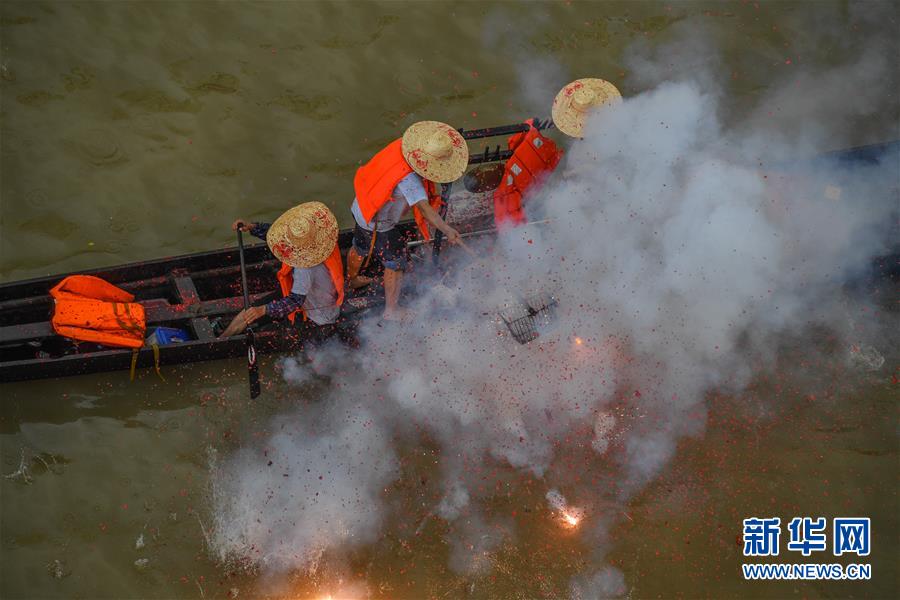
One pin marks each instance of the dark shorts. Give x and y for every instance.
(314, 335)
(309, 334)
(390, 247)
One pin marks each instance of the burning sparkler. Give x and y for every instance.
(337, 596)
(342, 590)
(571, 516)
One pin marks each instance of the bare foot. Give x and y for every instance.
(398, 314)
(360, 281)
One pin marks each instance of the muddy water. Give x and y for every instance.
(134, 130)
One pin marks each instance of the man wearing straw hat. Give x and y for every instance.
(311, 277)
(402, 175)
(535, 156)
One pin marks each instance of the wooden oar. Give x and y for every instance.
(252, 366)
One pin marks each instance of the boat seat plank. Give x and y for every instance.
(135, 287)
(186, 290)
(158, 312)
(26, 332)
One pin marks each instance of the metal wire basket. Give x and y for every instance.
(525, 319)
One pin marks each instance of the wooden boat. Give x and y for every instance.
(199, 292)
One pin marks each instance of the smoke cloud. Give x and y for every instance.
(680, 251)
(313, 486)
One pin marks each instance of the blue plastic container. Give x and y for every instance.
(166, 335)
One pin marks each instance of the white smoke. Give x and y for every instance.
(506, 34)
(312, 487)
(679, 254)
(608, 582)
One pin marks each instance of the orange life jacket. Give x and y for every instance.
(89, 309)
(335, 269)
(534, 157)
(375, 181)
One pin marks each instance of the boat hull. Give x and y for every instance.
(197, 293)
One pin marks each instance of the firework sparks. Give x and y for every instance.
(570, 516)
(341, 590)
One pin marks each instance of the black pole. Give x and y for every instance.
(474, 134)
(252, 366)
(244, 286)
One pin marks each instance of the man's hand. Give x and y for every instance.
(437, 222)
(242, 225)
(452, 235)
(243, 320)
(455, 238)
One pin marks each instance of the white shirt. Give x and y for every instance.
(409, 191)
(321, 296)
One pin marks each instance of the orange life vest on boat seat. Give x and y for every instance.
(534, 157)
(375, 181)
(335, 269)
(89, 309)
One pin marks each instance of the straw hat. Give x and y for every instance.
(304, 236)
(435, 150)
(575, 102)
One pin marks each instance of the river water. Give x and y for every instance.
(132, 130)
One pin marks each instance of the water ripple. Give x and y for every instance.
(98, 147)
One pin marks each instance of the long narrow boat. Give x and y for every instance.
(199, 292)
(195, 293)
